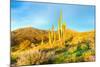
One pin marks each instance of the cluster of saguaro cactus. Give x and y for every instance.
(61, 32)
(59, 36)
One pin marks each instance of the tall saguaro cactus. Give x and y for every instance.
(64, 31)
(59, 24)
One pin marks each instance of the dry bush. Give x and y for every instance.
(31, 57)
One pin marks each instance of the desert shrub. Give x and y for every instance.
(31, 57)
(65, 57)
(72, 49)
(60, 50)
(71, 58)
(84, 46)
(59, 58)
(24, 44)
(88, 56)
(13, 58)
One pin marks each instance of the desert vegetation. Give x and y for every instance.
(30, 46)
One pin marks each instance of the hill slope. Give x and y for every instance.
(31, 34)
(44, 47)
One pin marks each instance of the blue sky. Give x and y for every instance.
(43, 15)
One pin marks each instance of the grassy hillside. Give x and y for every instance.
(32, 46)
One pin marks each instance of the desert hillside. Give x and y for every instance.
(72, 47)
(31, 34)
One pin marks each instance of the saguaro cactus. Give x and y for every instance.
(64, 31)
(49, 37)
(59, 25)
